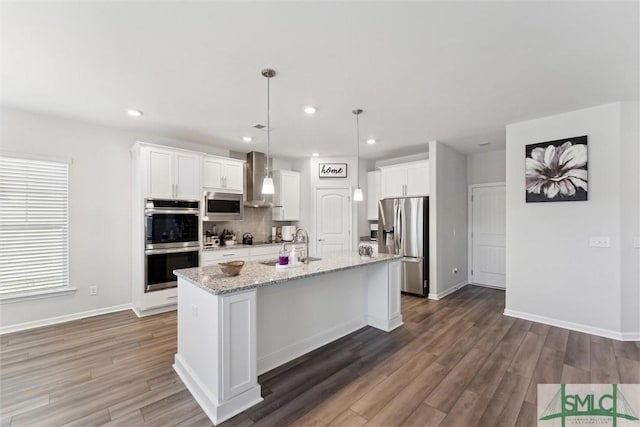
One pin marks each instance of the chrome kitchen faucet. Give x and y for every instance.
(306, 241)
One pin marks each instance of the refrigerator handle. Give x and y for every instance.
(398, 228)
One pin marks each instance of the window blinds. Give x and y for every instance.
(34, 225)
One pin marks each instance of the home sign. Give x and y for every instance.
(332, 170)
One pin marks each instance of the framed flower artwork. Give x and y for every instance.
(556, 171)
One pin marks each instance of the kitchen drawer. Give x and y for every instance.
(159, 298)
(213, 257)
(261, 253)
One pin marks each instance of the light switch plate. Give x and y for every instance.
(599, 242)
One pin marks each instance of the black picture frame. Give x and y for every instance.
(332, 170)
(557, 171)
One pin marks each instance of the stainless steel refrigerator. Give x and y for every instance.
(403, 228)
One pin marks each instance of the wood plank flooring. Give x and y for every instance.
(455, 362)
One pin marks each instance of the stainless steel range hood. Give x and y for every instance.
(254, 198)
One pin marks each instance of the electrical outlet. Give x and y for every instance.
(93, 290)
(599, 242)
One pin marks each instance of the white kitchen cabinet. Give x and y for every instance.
(264, 253)
(417, 179)
(286, 199)
(374, 180)
(222, 174)
(405, 180)
(171, 174)
(221, 255)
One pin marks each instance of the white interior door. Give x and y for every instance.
(488, 236)
(333, 219)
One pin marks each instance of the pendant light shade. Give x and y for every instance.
(267, 182)
(357, 194)
(267, 186)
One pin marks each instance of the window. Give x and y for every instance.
(34, 226)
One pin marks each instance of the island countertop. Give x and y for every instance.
(255, 274)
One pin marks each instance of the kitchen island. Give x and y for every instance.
(231, 329)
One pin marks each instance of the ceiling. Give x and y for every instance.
(455, 72)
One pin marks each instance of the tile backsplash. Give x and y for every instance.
(257, 221)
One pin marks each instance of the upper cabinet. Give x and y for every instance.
(374, 187)
(223, 174)
(171, 174)
(405, 180)
(286, 199)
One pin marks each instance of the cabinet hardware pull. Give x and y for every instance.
(228, 254)
(172, 297)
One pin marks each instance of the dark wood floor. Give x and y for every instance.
(456, 362)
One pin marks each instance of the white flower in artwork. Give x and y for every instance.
(557, 170)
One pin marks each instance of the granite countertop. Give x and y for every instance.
(254, 274)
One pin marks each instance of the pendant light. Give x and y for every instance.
(267, 182)
(357, 194)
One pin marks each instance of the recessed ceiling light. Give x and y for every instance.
(134, 113)
(315, 154)
(247, 139)
(310, 110)
(484, 144)
(371, 141)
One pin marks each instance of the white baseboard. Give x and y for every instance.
(630, 336)
(607, 333)
(216, 410)
(61, 319)
(439, 295)
(290, 352)
(156, 310)
(499, 288)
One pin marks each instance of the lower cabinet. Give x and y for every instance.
(257, 253)
(215, 256)
(264, 253)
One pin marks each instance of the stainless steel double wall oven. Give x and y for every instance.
(172, 229)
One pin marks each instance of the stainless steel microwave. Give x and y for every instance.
(222, 206)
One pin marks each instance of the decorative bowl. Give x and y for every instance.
(231, 268)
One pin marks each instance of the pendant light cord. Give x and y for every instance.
(268, 122)
(358, 146)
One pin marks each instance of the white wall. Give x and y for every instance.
(99, 208)
(363, 222)
(552, 273)
(630, 217)
(448, 227)
(486, 167)
(310, 180)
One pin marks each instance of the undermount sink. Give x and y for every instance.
(273, 263)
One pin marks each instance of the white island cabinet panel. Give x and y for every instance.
(231, 329)
(238, 343)
(216, 342)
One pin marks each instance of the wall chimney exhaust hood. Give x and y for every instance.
(255, 175)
